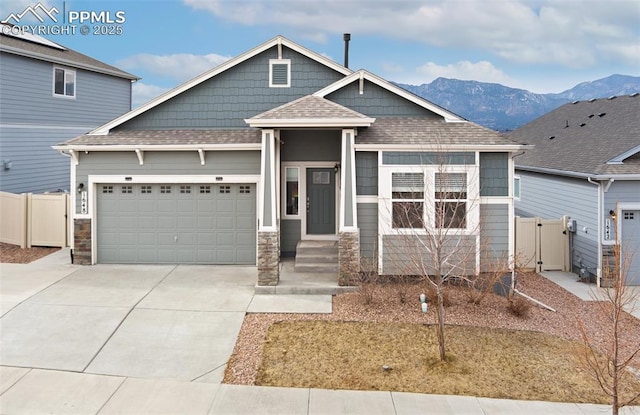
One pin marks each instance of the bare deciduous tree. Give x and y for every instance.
(609, 365)
(435, 215)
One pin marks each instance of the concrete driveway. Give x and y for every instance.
(168, 322)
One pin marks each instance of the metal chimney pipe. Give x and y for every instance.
(347, 38)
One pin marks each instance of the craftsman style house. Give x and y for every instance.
(279, 146)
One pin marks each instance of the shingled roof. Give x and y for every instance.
(168, 138)
(427, 131)
(599, 137)
(62, 56)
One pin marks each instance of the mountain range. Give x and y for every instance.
(502, 108)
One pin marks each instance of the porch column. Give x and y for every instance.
(349, 234)
(268, 234)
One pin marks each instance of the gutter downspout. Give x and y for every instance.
(512, 225)
(600, 208)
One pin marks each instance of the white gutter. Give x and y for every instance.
(600, 208)
(545, 170)
(152, 147)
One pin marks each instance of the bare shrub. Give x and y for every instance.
(519, 307)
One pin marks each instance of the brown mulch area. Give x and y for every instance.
(385, 306)
(13, 254)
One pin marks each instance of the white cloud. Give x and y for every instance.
(482, 71)
(179, 67)
(142, 93)
(569, 33)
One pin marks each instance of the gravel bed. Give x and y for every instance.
(491, 312)
(13, 254)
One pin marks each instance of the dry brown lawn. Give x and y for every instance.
(494, 350)
(494, 363)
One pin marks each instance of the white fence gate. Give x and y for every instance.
(542, 244)
(35, 219)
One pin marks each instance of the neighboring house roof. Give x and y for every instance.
(276, 41)
(30, 47)
(310, 111)
(428, 132)
(599, 137)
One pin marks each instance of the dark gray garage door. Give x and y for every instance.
(176, 223)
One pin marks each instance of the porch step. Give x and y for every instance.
(317, 256)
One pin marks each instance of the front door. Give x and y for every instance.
(321, 201)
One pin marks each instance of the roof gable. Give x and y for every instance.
(362, 75)
(279, 42)
(310, 111)
(592, 137)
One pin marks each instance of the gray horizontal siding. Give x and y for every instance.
(368, 225)
(290, 234)
(402, 253)
(494, 174)
(494, 237)
(428, 158)
(27, 95)
(312, 145)
(621, 192)
(367, 173)
(377, 102)
(238, 93)
(36, 167)
(551, 197)
(167, 163)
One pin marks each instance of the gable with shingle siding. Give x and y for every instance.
(240, 92)
(376, 101)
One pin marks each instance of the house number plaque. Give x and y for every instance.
(83, 202)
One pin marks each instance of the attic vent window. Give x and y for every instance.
(279, 73)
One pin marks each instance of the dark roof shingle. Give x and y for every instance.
(169, 137)
(427, 131)
(581, 137)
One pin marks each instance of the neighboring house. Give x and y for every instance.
(586, 164)
(49, 93)
(276, 146)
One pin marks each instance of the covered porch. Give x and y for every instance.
(307, 187)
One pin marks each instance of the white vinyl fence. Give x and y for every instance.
(34, 219)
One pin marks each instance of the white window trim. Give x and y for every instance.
(516, 178)
(283, 202)
(279, 61)
(75, 83)
(385, 205)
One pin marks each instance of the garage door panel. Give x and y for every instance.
(146, 238)
(630, 243)
(183, 223)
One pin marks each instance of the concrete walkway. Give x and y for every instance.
(116, 339)
(591, 292)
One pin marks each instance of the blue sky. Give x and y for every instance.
(539, 45)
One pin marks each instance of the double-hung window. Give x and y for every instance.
(450, 199)
(407, 198)
(64, 83)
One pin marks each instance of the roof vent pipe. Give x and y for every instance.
(347, 38)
